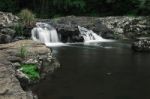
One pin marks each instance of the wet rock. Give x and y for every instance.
(141, 44)
(67, 27)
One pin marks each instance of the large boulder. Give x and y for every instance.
(6, 35)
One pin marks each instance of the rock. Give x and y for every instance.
(7, 34)
(127, 27)
(12, 79)
(117, 27)
(30, 46)
(8, 31)
(4, 38)
(7, 19)
(16, 65)
(141, 44)
(9, 85)
(17, 38)
(7, 23)
(30, 61)
(67, 27)
(23, 78)
(14, 59)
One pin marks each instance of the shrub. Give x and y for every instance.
(27, 17)
(31, 71)
(19, 29)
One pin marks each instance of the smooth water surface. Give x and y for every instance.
(98, 71)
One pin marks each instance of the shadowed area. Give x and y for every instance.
(98, 71)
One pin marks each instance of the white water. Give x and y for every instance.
(90, 36)
(46, 34)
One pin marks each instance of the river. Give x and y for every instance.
(109, 70)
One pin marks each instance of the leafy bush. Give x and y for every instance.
(27, 17)
(31, 71)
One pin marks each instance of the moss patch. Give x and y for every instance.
(31, 71)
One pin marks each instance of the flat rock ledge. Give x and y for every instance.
(9, 85)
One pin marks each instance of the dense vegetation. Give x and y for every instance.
(31, 71)
(53, 8)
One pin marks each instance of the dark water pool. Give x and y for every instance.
(98, 71)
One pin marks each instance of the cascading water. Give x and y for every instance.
(45, 33)
(90, 36)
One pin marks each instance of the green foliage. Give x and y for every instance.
(52, 8)
(80, 4)
(8, 5)
(19, 29)
(23, 52)
(31, 71)
(27, 17)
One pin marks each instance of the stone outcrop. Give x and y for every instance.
(9, 86)
(7, 23)
(141, 44)
(119, 27)
(7, 19)
(10, 60)
(128, 27)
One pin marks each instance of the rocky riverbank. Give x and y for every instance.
(115, 27)
(10, 58)
(15, 56)
(7, 23)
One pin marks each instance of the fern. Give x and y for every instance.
(31, 71)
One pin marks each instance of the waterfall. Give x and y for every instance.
(89, 35)
(45, 33)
